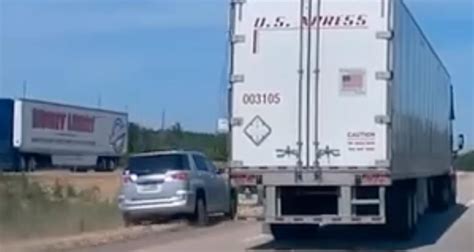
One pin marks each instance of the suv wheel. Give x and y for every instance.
(232, 208)
(201, 217)
(130, 222)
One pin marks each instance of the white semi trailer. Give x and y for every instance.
(36, 134)
(342, 111)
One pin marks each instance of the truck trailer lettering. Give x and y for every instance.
(81, 123)
(52, 120)
(325, 21)
(43, 119)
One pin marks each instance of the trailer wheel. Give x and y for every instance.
(22, 164)
(442, 193)
(401, 211)
(111, 165)
(27, 164)
(32, 164)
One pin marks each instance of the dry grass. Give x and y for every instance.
(33, 209)
(107, 183)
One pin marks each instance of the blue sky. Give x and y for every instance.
(150, 55)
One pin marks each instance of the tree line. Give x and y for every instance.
(142, 139)
(465, 161)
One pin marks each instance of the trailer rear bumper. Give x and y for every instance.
(326, 220)
(323, 204)
(326, 176)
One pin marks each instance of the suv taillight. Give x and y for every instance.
(180, 176)
(129, 178)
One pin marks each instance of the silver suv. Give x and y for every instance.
(174, 183)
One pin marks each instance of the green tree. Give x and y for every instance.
(143, 139)
(465, 162)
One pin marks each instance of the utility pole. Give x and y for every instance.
(163, 120)
(99, 101)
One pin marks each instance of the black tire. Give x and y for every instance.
(401, 211)
(111, 165)
(442, 193)
(31, 164)
(22, 164)
(201, 217)
(130, 222)
(232, 208)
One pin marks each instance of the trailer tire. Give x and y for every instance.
(27, 164)
(401, 211)
(111, 165)
(32, 164)
(22, 164)
(442, 193)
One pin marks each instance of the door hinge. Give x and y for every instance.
(387, 35)
(236, 121)
(384, 75)
(382, 119)
(238, 4)
(237, 78)
(238, 38)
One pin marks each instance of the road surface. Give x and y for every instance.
(450, 231)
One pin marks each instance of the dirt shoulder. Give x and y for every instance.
(89, 239)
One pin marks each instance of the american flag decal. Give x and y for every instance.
(352, 82)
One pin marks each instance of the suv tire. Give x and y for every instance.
(130, 222)
(232, 207)
(201, 218)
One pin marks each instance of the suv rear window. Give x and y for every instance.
(157, 164)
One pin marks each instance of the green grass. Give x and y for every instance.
(28, 209)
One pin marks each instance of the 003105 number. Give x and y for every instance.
(261, 99)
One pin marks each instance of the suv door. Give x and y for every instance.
(210, 186)
(222, 189)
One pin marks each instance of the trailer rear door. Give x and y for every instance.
(266, 98)
(281, 107)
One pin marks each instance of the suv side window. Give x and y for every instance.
(212, 168)
(200, 163)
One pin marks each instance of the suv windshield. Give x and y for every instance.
(157, 164)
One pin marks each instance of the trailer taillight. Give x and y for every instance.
(373, 179)
(245, 179)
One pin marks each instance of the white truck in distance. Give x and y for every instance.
(342, 111)
(36, 134)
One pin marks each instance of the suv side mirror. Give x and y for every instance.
(460, 142)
